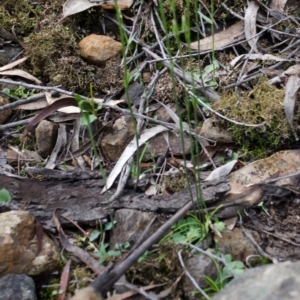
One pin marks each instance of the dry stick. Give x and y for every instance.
(191, 277)
(180, 74)
(254, 76)
(289, 55)
(161, 45)
(126, 169)
(41, 88)
(140, 291)
(258, 248)
(172, 126)
(104, 283)
(131, 36)
(15, 124)
(204, 89)
(22, 101)
(245, 64)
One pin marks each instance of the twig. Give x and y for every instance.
(259, 249)
(191, 277)
(22, 101)
(15, 124)
(126, 169)
(42, 88)
(220, 115)
(220, 259)
(104, 282)
(139, 290)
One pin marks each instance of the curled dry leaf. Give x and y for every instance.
(250, 24)
(221, 171)
(72, 7)
(21, 73)
(231, 35)
(246, 184)
(129, 151)
(68, 110)
(292, 86)
(255, 56)
(278, 5)
(13, 64)
(48, 111)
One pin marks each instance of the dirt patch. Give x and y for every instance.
(280, 230)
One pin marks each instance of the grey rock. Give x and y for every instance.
(46, 134)
(17, 286)
(130, 225)
(19, 246)
(134, 93)
(198, 266)
(272, 282)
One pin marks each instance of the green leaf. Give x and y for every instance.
(86, 106)
(95, 234)
(220, 226)
(207, 19)
(4, 196)
(86, 119)
(238, 272)
(192, 235)
(228, 257)
(114, 253)
(143, 256)
(109, 225)
(178, 238)
(78, 98)
(212, 67)
(6, 91)
(126, 245)
(102, 249)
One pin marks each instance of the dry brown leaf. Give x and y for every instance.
(278, 5)
(22, 74)
(245, 183)
(250, 24)
(291, 88)
(64, 280)
(231, 35)
(256, 56)
(72, 7)
(13, 64)
(129, 151)
(68, 109)
(221, 171)
(293, 70)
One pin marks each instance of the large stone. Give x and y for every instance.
(4, 114)
(130, 225)
(198, 266)
(17, 286)
(272, 282)
(99, 48)
(237, 244)
(46, 135)
(211, 131)
(14, 157)
(158, 145)
(19, 246)
(114, 143)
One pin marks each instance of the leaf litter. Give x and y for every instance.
(238, 85)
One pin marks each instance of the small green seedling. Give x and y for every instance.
(105, 254)
(261, 205)
(4, 196)
(96, 234)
